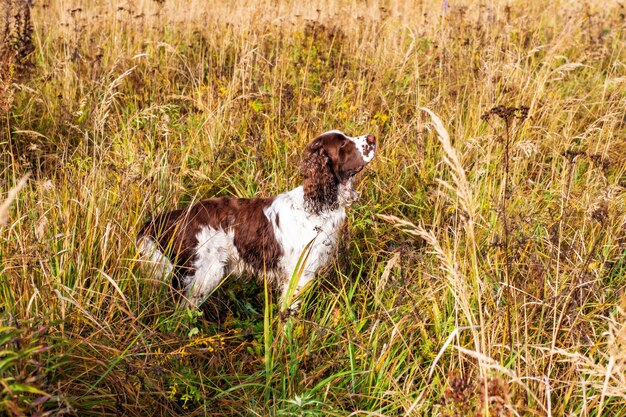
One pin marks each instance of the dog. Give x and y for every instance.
(214, 238)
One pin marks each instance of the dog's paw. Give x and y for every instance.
(290, 312)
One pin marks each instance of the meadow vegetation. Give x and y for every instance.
(482, 272)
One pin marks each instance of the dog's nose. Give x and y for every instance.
(371, 139)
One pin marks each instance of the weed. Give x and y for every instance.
(508, 115)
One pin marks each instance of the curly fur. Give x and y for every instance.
(320, 183)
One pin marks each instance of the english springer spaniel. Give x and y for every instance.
(208, 241)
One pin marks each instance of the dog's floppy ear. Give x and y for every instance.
(319, 167)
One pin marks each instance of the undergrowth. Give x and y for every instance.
(480, 274)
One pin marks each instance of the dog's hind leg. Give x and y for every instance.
(152, 260)
(215, 248)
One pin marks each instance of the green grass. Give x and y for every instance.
(465, 285)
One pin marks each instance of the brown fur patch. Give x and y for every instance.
(176, 231)
(329, 160)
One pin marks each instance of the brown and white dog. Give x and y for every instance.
(208, 241)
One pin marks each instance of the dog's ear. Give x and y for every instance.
(318, 168)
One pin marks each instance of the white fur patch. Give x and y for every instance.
(215, 254)
(296, 227)
(153, 260)
(367, 150)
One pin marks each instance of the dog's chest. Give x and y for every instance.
(299, 232)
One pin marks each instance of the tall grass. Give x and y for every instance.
(481, 272)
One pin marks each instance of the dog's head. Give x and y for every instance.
(330, 163)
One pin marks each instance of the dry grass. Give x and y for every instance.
(485, 263)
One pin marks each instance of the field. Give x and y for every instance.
(482, 272)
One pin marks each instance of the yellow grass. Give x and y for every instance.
(481, 272)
